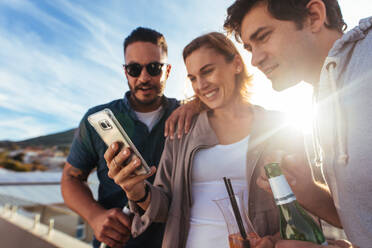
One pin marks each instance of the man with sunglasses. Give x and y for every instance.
(142, 113)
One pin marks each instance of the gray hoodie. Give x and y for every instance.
(342, 130)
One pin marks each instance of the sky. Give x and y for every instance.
(59, 58)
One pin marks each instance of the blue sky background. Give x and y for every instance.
(58, 58)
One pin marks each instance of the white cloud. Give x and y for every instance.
(19, 128)
(46, 81)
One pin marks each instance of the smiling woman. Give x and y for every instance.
(217, 72)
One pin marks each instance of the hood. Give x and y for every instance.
(327, 95)
(345, 43)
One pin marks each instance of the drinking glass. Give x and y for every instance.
(235, 238)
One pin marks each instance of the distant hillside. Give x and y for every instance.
(56, 139)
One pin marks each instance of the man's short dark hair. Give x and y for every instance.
(146, 35)
(288, 10)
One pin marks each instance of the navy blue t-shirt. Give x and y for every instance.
(88, 148)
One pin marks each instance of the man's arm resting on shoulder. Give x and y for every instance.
(181, 118)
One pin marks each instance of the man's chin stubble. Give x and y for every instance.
(144, 102)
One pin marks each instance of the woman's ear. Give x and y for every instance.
(238, 64)
(317, 15)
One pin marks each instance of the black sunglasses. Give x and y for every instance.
(153, 69)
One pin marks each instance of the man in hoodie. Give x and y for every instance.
(297, 40)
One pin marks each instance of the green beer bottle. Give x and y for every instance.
(295, 223)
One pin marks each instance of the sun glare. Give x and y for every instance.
(298, 106)
(295, 102)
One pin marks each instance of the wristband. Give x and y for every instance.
(147, 190)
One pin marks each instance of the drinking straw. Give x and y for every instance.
(235, 207)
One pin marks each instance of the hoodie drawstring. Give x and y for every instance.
(339, 120)
(315, 134)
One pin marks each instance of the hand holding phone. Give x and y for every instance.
(110, 130)
(133, 185)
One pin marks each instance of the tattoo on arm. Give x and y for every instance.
(76, 173)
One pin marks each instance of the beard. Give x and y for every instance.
(158, 88)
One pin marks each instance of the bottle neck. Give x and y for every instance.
(282, 192)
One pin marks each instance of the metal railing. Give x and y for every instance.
(17, 230)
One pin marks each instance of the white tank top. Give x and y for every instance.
(207, 225)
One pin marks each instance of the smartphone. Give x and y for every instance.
(110, 131)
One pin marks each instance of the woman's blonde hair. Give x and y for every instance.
(224, 46)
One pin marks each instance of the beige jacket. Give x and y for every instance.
(171, 193)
